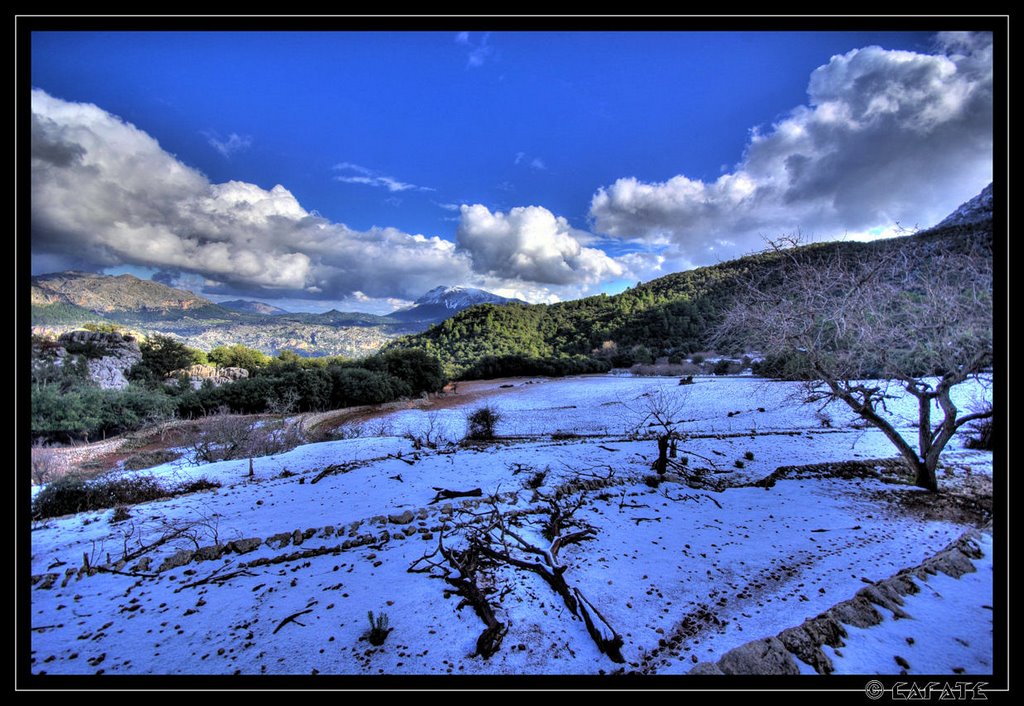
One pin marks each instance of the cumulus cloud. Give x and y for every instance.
(531, 243)
(357, 174)
(887, 137)
(105, 193)
(234, 143)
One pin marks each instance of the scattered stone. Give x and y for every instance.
(45, 581)
(402, 519)
(280, 540)
(177, 559)
(209, 553)
(244, 546)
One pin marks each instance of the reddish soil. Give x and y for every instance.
(94, 459)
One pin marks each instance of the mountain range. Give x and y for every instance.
(66, 300)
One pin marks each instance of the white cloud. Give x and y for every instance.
(533, 162)
(369, 177)
(532, 244)
(886, 137)
(105, 194)
(235, 143)
(477, 53)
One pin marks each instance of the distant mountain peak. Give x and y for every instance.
(442, 302)
(253, 307)
(459, 297)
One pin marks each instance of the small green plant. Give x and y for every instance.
(379, 629)
(749, 455)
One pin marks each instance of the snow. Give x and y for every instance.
(458, 298)
(949, 630)
(662, 560)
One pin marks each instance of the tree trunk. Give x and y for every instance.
(661, 465)
(924, 476)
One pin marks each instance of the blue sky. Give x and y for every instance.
(358, 170)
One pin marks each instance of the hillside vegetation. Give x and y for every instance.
(671, 316)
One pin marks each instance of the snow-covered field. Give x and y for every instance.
(681, 574)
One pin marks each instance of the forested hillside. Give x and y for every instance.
(670, 316)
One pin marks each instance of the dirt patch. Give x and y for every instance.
(969, 502)
(468, 393)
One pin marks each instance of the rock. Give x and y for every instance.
(857, 611)
(199, 373)
(706, 668)
(45, 581)
(142, 565)
(886, 596)
(427, 535)
(309, 532)
(422, 514)
(244, 546)
(805, 641)
(328, 531)
(177, 559)
(446, 509)
(209, 553)
(409, 531)
(768, 656)
(904, 584)
(109, 356)
(956, 560)
(279, 540)
(403, 519)
(298, 538)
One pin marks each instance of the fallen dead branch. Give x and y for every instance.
(467, 564)
(216, 579)
(443, 494)
(292, 619)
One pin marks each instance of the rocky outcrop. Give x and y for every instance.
(108, 356)
(198, 374)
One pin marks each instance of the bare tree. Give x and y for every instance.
(912, 314)
(661, 411)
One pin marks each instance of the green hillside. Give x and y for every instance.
(672, 315)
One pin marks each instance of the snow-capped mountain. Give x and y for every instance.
(461, 297)
(442, 302)
(976, 210)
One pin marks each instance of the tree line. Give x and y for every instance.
(68, 406)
